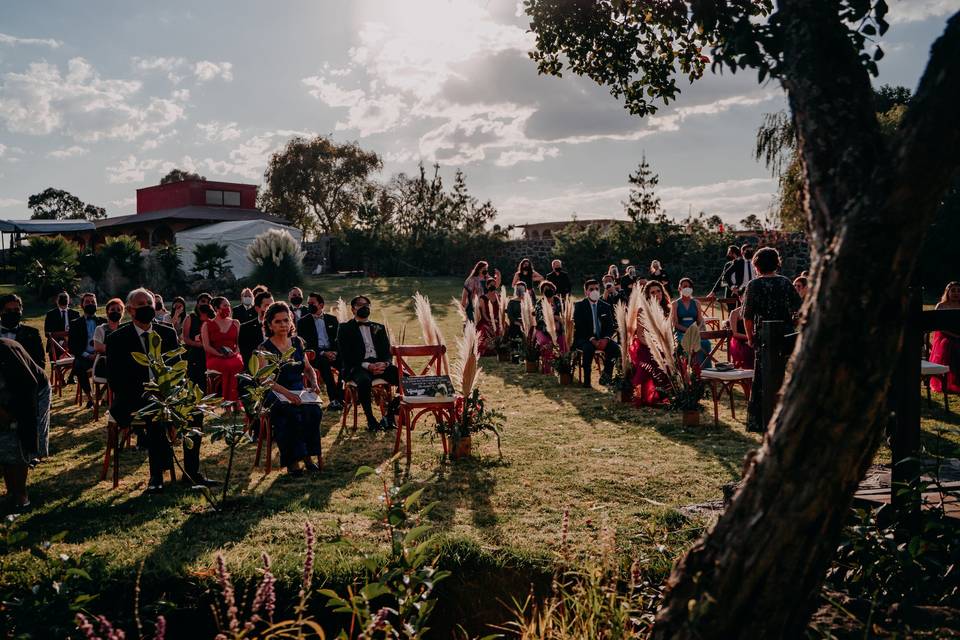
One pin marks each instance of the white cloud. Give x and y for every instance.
(205, 70)
(249, 159)
(14, 41)
(9, 202)
(528, 179)
(124, 203)
(216, 131)
(917, 10)
(130, 169)
(68, 152)
(156, 141)
(177, 68)
(81, 104)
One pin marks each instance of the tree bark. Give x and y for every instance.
(757, 573)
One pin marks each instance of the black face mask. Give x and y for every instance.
(363, 312)
(491, 289)
(205, 309)
(145, 315)
(114, 316)
(10, 319)
(312, 308)
(62, 301)
(296, 301)
(90, 309)
(549, 292)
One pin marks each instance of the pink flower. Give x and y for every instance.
(229, 600)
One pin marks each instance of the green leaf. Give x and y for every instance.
(140, 358)
(253, 365)
(364, 471)
(375, 590)
(412, 499)
(415, 534)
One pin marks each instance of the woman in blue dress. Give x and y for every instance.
(296, 424)
(684, 312)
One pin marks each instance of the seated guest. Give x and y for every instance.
(365, 352)
(475, 287)
(488, 319)
(800, 283)
(219, 338)
(81, 343)
(611, 292)
(56, 324)
(24, 420)
(11, 327)
(162, 315)
(515, 329)
(560, 279)
(945, 345)
(178, 314)
(657, 273)
(548, 303)
(741, 353)
(127, 378)
(114, 316)
(251, 331)
(296, 303)
(528, 276)
(593, 330)
(319, 332)
(646, 374)
(686, 312)
(296, 425)
(614, 272)
(244, 311)
(196, 356)
(769, 296)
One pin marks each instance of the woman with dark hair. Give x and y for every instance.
(646, 374)
(549, 303)
(684, 313)
(190, 334)
(114, 309)
(528, 276)
(945, 345)
(769, 296)
(488, 319)
(295, 423)
(178, 313)
(475, 286)
(219, 338)
(741, 353)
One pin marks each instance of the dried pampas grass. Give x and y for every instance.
(549, 319)
(428, 325)
(466, 371)
(342, 311)
(566, 318)
(502, 311)
(460, 310)
(620, 317)
(658, 334)
(528, 316)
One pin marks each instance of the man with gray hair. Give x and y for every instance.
(127, 378)
(559, 278)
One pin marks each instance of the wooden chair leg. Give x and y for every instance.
(107, 454)
(269, 430)
(260, 437)
(116, 460)
(404, 416)
(733, 410)
(716, 403)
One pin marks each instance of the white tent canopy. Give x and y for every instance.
(236, 235)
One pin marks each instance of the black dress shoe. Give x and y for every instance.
(373, 425)
(311, 466)
(200, 480)
(294, 472)
(154, 486)
(387, 424)
(335, 405)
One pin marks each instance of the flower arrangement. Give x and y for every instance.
(528, 321)
(627, 317)
(679, 371)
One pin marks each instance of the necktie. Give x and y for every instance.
(145, 339)
(66, 327)
(596, 320)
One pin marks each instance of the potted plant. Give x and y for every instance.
(504, 346)
(563, 363)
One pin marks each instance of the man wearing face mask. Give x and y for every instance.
(251, 331)
(593, 330)
(81, 343)
(244, 312)
(56, 324)
(319, 331)
(11, 327)
(560, 279)
(296, 303)
(365, 350)
(127, 378)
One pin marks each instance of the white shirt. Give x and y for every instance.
(370, 351)
(748, 274)
(140, 333)
(6, 332)
(323, 339)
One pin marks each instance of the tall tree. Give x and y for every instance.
(57, 204)
(644, 204)
(180, 175)
(868, 203)
(318, 184)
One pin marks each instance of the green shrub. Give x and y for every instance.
(164, 270)
(277, 259)
(210, 260)
(48, 265)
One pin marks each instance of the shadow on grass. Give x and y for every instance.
(466, 484)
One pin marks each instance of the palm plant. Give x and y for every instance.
(210, 259)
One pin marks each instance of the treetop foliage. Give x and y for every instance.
(57, 204)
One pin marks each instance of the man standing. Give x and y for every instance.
(560, 279)
(319, 330)
(127, 378)
(741, 272)
(11, 327)
(81, 342)
(251, 332)
(296, 303)
(244, 312)
(593, 329)
(56, 324)
(365, 351)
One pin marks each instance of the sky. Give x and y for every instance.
(101, 98)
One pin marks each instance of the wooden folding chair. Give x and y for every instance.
(722, 337)
(61, 362)
(411, 410)
(599, 358)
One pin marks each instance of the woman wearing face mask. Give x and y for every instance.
(114, 309)
(487, 329)
(549, 303)
(196, 357)
(646, 374)
(219, 338)
(475, 286)
(528, 276)
(686, 312)
(178, 314)
(244, 311)
(945, 345)
(162, 315)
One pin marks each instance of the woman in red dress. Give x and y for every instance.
(219, 338)
(945, 345)
(741, 353)
(646, 373)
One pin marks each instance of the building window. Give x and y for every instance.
(223, 198)
(214, 197)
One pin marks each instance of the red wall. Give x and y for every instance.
(191, 193)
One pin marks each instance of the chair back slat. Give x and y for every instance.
(436, 365)
(722, 337)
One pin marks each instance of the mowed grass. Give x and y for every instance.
(565, 449)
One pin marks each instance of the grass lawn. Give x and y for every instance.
(564, 449)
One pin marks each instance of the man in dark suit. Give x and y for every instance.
(80, 341)
(733, 252)
(295, 299)
(740, 272)
(56, 324)
(560, 279)
(251, 332)
(244, 312)
(365, 352)
(593, 330)
(11, 327)
(319, 331)
(127, 378)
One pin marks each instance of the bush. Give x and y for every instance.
(164, 271)
(114, 266)
(210, 260)
(277, 259)
(48, 265)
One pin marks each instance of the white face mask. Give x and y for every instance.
(686, 292)
(594, 295)
(247, 301)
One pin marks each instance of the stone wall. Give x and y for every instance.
(513, 251)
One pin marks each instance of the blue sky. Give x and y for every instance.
(101, 98)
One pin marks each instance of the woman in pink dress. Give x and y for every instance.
(488, 319)
(945, 345)
(549, 303)
(741, 353)
(219, 338)
(646, 374)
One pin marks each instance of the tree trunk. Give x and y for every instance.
(757, 573)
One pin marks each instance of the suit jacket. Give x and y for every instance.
(53, 321)
(351, 348)
(23, 379)
(583, 321)
(249, 338)
(561, 281)
(241, 314)
(78, 339)
(125, 376)
(734, 274)
(307, 329)
(29, 338)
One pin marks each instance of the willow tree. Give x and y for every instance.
(868, 200)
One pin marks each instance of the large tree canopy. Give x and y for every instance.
(868, 201)
(57, 204)
(180, 175)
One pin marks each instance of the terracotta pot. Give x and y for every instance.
(691, 417)
(532, 366)
(462, 448)
(503, 356)
(566, 379)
